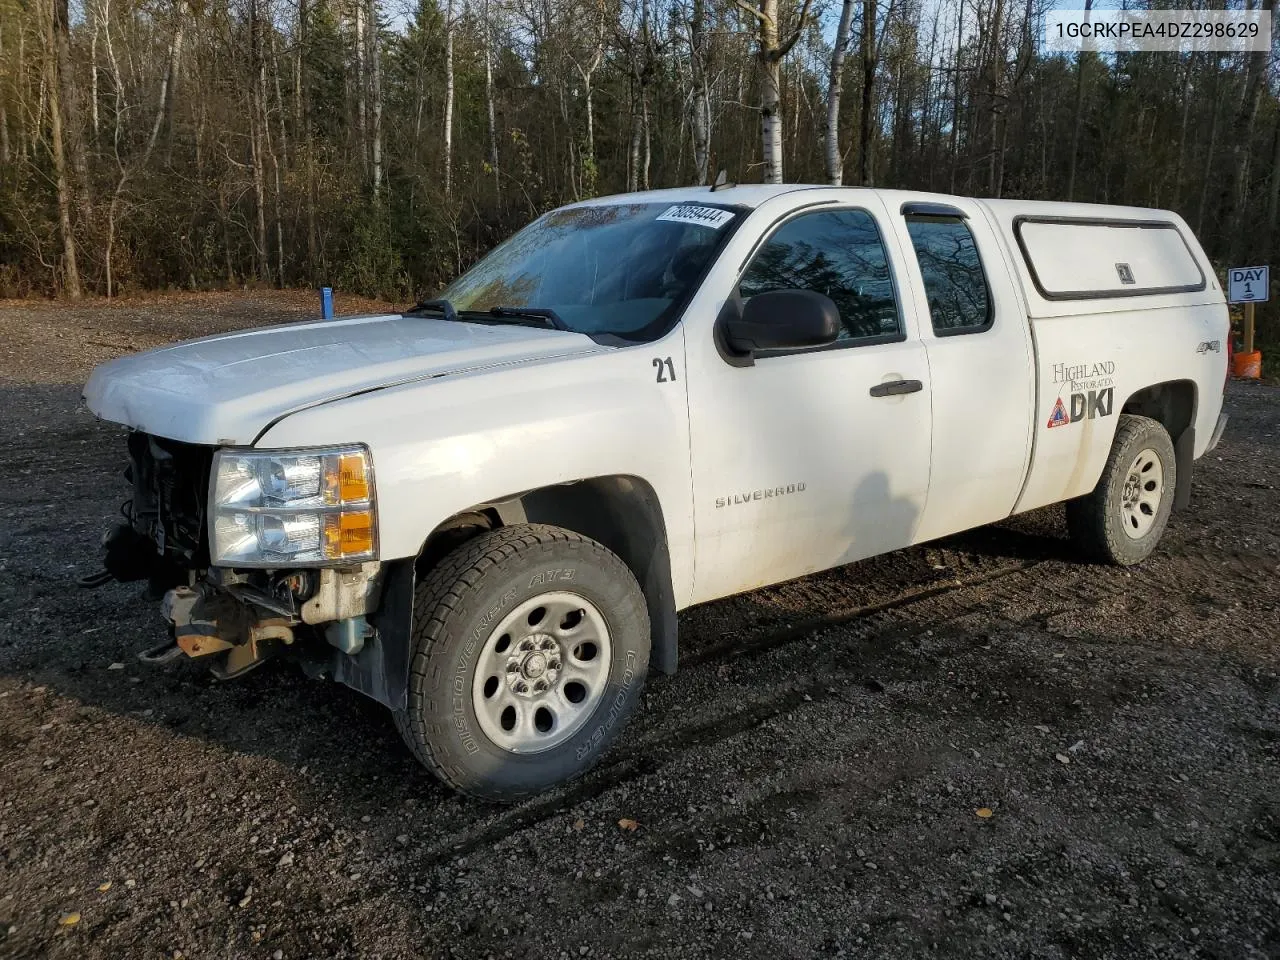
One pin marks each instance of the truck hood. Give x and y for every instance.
(227, 389)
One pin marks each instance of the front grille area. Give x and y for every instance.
(170, 490)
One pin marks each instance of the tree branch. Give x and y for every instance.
(755, 12)
(790, 42)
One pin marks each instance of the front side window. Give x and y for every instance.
(959, 301)
(622, 270)
(838, 253)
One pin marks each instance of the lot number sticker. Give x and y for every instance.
(1248, 284)
(712, 217)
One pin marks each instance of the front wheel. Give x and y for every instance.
(1122, 520)
(530, 647)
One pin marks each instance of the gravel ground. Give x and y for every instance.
(980, 747)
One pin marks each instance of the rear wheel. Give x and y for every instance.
(1122, 520)
(531, 645)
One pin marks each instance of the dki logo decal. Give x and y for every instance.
(1087, 405)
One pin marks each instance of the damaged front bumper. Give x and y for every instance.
(226, 616)
(350, 621)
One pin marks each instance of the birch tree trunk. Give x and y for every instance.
(302, 104)
(488, 102)
(637, 165)
(590, 169)
(701, 121)
(375, 58)
(955, 96)
(835, 164)
(770, 67)
(70, 269)
(648, 152)
(448, 101)
(361, 82)
(770, 51)
(92, 17)
(869, 64)
(995, 68)
(257, 91)
(168, 83)
(633, 155)
(284, 128)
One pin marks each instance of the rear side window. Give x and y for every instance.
(838, 253)
(959, 299)
(1071, 258)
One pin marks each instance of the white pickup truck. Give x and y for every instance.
(486, 511)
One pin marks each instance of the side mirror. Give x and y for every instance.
(779, 320)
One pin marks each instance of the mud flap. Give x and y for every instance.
(380, 670)
(1184, 451)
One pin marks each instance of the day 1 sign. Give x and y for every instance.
(1248, 284)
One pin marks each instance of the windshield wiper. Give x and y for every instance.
(548, 316)
(438, 306)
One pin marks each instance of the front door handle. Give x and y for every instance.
(896, 387)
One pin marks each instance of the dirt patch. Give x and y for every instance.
(57, 341)
(810, 783)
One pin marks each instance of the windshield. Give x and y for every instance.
(624, 270)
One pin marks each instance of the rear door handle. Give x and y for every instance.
(896, 387)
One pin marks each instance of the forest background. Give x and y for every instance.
(379, 149)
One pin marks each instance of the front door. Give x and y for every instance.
(812, 458)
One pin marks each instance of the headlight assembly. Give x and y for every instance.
(271, 508)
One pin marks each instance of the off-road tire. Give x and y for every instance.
(1095, 521)
(457, 605)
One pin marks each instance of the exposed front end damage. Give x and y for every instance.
(233, 620)
(225, 615)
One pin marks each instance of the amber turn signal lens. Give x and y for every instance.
(348, 534)
(353, 478)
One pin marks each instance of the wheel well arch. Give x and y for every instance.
(621, 512)
(1173, 405)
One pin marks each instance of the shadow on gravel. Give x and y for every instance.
(1036, 536)
(348, 740)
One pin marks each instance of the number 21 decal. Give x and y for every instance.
(666, 369)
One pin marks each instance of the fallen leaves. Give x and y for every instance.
(626, 823)
(985, 813)
(69, 919)
(579, 825)
(104, 887)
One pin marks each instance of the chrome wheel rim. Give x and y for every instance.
(1140, 498)
(542, 672)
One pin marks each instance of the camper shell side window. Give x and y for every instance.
(1081, 258)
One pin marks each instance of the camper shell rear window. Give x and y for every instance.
(1077, 258)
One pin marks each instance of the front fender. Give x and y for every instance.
(442, 446)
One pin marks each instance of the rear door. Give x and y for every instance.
(981, 364)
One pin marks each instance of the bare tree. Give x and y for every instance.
(1082, 60)
(770, 51)
(699, 95)
(586, 69)
(448, 100)
(169, 84)
(236, 128)
(375, 131)
(835, 80)
(488, 98)
(53, 67)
